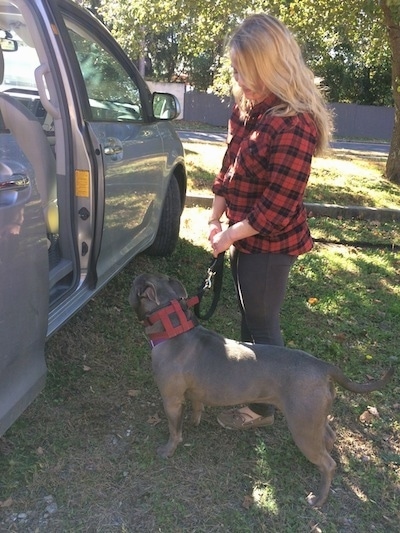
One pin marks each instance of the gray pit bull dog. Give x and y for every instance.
(193, 363)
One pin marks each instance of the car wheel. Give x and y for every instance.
(168, 229)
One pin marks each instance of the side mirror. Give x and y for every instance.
(165, 106)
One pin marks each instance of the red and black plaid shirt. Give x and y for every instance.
(263, 178)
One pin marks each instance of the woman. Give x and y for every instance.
(280, 121)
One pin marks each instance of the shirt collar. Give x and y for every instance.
(270, 101)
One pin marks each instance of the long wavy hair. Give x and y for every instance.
(269, 59)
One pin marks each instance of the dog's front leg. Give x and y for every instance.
(174, 411)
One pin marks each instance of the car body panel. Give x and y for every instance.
(23, 271)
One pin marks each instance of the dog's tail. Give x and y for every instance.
(362, 388)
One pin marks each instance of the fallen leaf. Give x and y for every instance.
(313, 301)
(341, 337)
(373, 411)
(369, 415)
(154, 420)
(248, 501)
(7, 503)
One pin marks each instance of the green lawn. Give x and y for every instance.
(87, 444)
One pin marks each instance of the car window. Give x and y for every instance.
(19, 67)
(112, 93)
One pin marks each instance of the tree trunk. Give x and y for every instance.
(391, 14)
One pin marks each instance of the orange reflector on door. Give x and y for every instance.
(82, 186)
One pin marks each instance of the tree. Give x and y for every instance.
(391, 12)
(369, 27)
(352, 46)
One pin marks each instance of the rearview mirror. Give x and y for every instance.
(7, 43)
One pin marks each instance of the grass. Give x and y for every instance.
(87, 444)
(342, 177)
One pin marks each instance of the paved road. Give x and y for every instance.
(205, 136)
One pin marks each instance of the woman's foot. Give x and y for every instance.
(243, 418)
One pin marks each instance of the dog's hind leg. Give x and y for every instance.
(174, 411)
(330, 437)
(312, 437)
(197, 410)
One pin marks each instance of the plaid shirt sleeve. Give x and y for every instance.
(263, 178)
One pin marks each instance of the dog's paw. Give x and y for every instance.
(314, 501)
(196, 418)
(166, 451)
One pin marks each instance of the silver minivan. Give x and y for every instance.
(91, 174)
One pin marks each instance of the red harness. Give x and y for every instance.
(164, 314)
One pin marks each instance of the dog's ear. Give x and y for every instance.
(142, 288)
(178, 288)
(150, 292)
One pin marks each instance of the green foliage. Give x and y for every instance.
(345, 44)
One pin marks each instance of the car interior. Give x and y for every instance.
(24, 116)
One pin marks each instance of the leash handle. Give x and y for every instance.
(213, 279)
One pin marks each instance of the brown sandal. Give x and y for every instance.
(235, 419)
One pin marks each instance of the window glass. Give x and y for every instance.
(112, 93)
(19, 67)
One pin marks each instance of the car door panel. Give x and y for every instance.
(24, 275)
(132, 151)
(133, 180)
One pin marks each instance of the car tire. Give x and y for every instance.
(168, 229)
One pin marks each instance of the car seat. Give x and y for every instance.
(29, 134)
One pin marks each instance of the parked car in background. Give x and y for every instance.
(91, 174)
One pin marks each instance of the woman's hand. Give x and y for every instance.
(214, 228)
(220, 241)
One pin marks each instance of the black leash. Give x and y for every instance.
(214, 278)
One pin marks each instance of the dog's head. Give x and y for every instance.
(151, 291)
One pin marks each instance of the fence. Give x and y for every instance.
(351, 120)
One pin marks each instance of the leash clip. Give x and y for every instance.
(212, 280)
(209, 278)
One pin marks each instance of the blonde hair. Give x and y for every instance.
(268, 58)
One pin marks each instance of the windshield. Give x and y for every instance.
(19, 68)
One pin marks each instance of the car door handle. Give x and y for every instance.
(16, 182)
(113, 148)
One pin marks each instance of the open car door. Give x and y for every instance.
(24, 284)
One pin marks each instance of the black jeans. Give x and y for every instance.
(261, 281)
